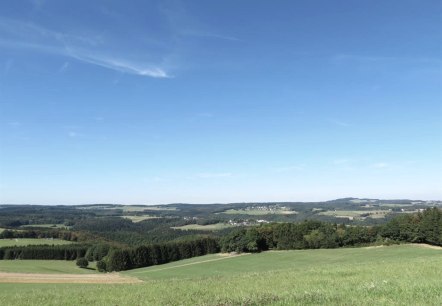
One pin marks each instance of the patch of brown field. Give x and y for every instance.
(374, 247)
(423, 245)
(108, 278)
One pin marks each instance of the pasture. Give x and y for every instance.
(44, 266)
(31, 241)
(350, 214)
(396, 275)
(259, 212)
(139, 218)
(208, 227)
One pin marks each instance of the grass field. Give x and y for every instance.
(396, 275)
(139, 218)
(209, 227)
(258, 212)
(44, 266)
(350, 214)
(31, 241)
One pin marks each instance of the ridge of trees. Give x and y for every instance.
(422, 227)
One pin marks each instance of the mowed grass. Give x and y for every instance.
(208, 227)
(31, 241)
(44, 266)
(396, 275)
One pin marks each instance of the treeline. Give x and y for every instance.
(18, 215)
(425, 227)
(54, 234)
(148, 255)
(152, 231)
(45, 252)
(296, 236)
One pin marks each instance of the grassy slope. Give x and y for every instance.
(398, 275)
(31, 241)
(42, 266)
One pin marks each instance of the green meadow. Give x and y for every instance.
(31, 241)
(43, 266)
(395, 275)
(258, 212)
(208, 227)
(139, 218)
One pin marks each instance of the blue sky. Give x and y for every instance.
(219, 101)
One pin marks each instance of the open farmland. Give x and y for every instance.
(31, 241)
(351, 214)
(43, 266)
(208, 227)
(259, 212)
(140, 218)
(353, 276)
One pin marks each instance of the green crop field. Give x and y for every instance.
(258, 212)
(43, 266)
(355, 213)
(396, 275)
(139, 218)
(209, 227)
(31, 241)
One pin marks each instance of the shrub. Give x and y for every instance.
(101, 266)
(82, 262)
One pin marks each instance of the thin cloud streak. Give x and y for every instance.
(37, 38)
(118, 65)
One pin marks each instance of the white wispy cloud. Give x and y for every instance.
(26, 35)
(184, 24)
(117, 64)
